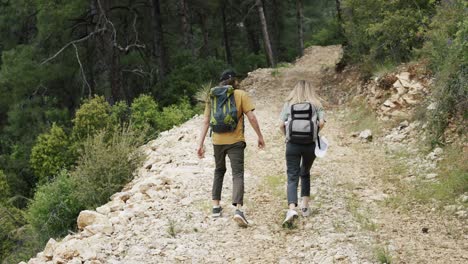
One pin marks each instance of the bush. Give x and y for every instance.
(329, 34)
(174, 115)
(186, 77)
(93, 115)
(51, 153)
(21, 245)
(54, 209)
(446, 48)
(4, 187)
(120, 113)
(144, 112)
(12, 219)
(106, 165)
(378, 31)
(249, 62)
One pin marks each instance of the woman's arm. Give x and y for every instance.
(282, 128)
(321, 117)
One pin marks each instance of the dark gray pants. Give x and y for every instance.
(299, 160)
(235, 152)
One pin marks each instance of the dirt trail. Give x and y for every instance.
(198, 238)
(315, 240)
(163, 215)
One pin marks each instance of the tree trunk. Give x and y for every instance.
(339, 17)
(186, 27)
(159, 50)
(252, 36)
(205, 49)
(110, 53)
(338, 12)
(300, 25)
(276, 22)
(266, 37)
(227, 46)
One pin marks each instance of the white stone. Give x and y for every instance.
(410, 99)
(116, 205)
(124, 196)
(404, 76)
(366, 135)
(450, 208)
(462, 214)
(87, 218)
(105, 209)
(464, 198)
(106, 229)
(75, 261)
(438, 151)
(432, 106)
(50, 248)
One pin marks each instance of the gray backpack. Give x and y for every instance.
(302, 126)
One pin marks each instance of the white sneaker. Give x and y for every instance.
(291, 215)
(305, 211)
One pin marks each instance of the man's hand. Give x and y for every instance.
(201, 152)
(261, 143)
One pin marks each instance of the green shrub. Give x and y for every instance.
(21, 245)
(10, 221)
(186, 78)
(378, 31)
(54, 208)
(446, 48)
(174, 115)
(329, 34)
(106, 164)
(4, 187)
(249, 62)
(51, 153)
(93, 116)
(120, 113)
(383, 255)
(144, 112)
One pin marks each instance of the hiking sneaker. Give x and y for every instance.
(216, 212)
(291, 215)
(240, 218)
(305, 211)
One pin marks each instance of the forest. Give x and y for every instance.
(84, 83)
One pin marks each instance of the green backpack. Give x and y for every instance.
(223, 109)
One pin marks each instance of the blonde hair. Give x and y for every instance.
(304, 92)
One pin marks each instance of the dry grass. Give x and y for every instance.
(360, 214)
(362, 117)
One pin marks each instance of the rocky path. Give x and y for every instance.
(163, 215)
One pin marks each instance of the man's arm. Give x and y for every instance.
(201, 140)
(253, 121)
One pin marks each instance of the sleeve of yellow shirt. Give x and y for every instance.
(247, 104)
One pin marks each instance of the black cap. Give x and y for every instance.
(227, 74)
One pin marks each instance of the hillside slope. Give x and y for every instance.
(163, 215)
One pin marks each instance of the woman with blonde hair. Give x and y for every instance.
(301, 119)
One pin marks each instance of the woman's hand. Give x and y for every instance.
(321, 124)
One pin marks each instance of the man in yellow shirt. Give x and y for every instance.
(233, 145)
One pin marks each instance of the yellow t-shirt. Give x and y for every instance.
(244, 105)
